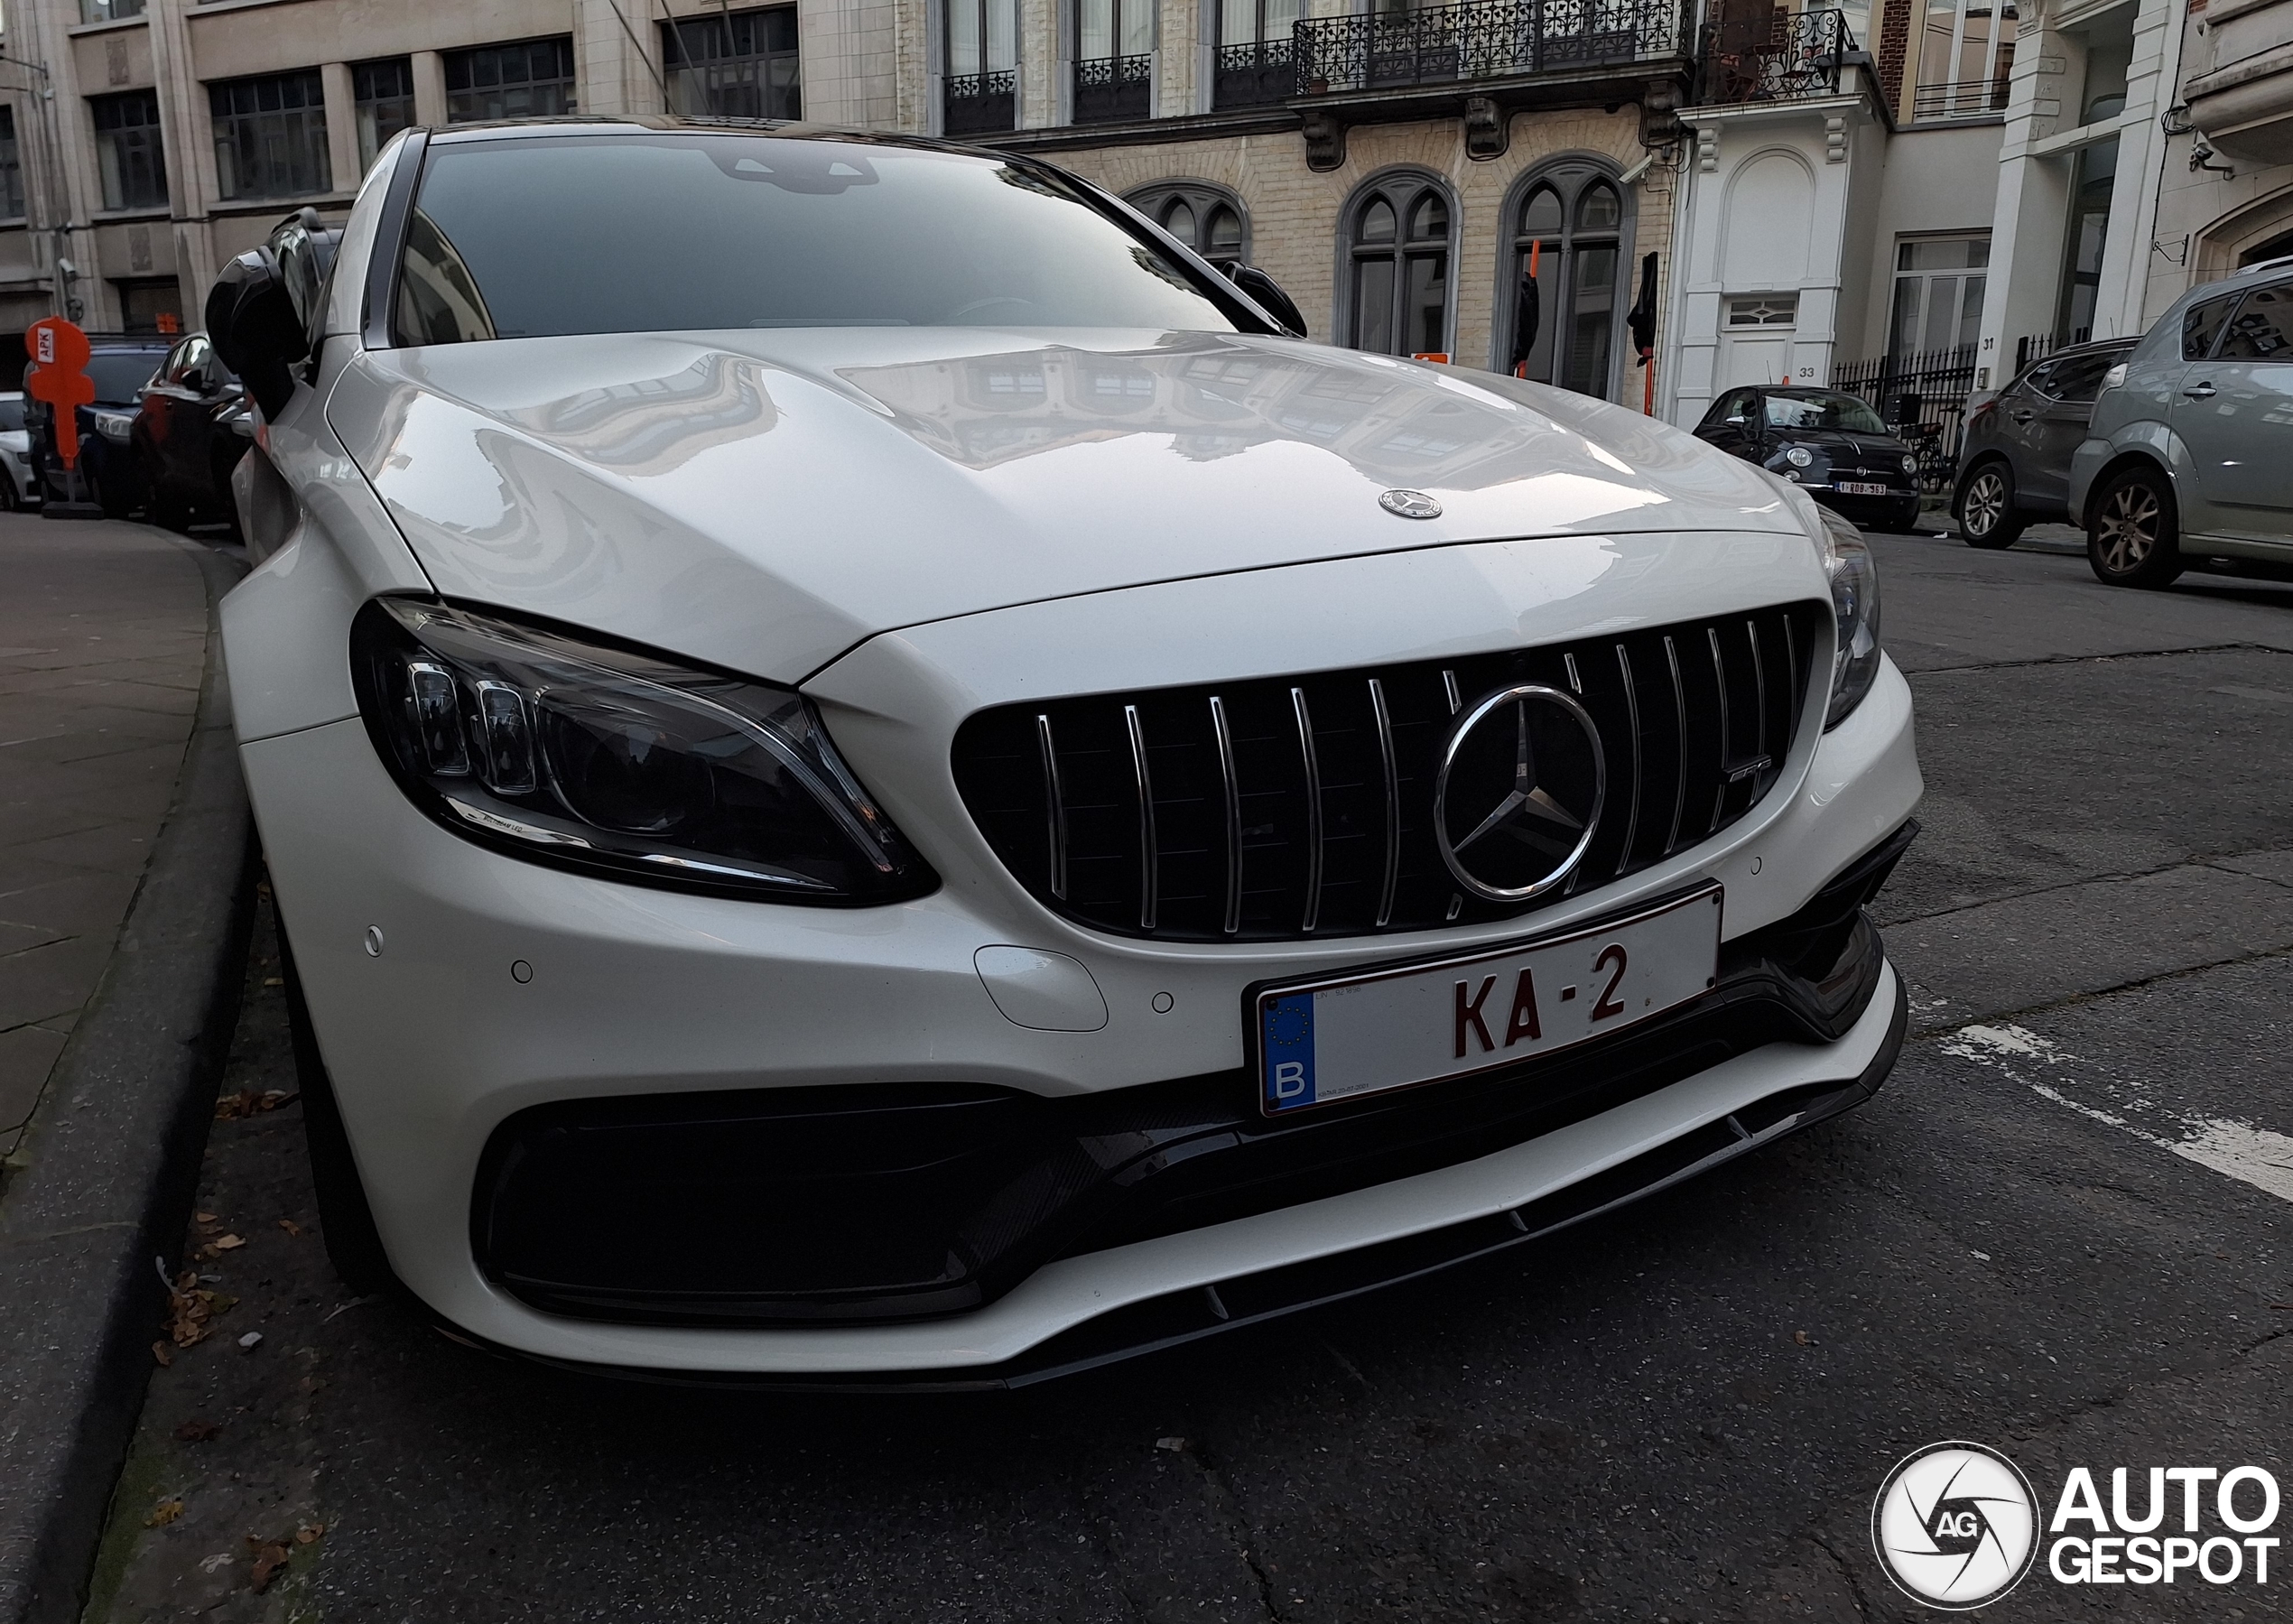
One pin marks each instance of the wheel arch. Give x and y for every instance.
(2128, 458)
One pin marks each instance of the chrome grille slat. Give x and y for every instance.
(1632, 732)
(1316, 837)
(1281, 808)
(1054, 809)
(1233, 799)
(1393, 800)
(1149, 858)
(1680, 739)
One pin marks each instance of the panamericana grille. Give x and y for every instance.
(1287, 807)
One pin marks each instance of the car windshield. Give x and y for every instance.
(119, 375)
(713, 231)
(1813, 410)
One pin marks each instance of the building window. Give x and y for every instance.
(1254, 63)
(1939, 295)
(1764, 310)
(740, 66)
(1398, 243)
(983, 89)
(531, 79)
(1209, 219)
(1966, 48)
(2091, 186)
(1114, 60)
(1567, 265)
(11, 167)
(150, 304)
(109, 11)
(271, 135)
(383, 93)
(128, 154)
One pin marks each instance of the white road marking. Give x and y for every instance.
(2252, 1156)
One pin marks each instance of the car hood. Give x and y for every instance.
(765, 500)
(1831, 442)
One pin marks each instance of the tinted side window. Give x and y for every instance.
(2262, 328)
(2038, 380)
(2201, 324)
(2079, 379)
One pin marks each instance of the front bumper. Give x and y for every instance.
(499, 987)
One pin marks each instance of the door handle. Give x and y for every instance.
(2200, 391)
(2025, 416)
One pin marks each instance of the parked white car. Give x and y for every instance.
(17, 488)
(875, 775)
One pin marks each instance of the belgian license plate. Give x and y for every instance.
(1860, 488)
(1344, 1036)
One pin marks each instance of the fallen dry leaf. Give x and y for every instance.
(204, 1217)
(165, 1513)
(269, 1558)
(247, 1103)
(229, 1243)
(309, 1533)
(197, 1432)
(190, 1308)
(290, 1226)
(162, 1355)
(274, 980)
(1803, 1339)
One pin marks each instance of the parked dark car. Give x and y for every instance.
(1831, 444)
(119, 366)
(2014, 459)
(193, 428)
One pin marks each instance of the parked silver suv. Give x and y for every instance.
(2192, 441)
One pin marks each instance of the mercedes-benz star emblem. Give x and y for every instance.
(1519, 792)
(1410, 504)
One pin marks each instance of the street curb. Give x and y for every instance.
(114, 1166)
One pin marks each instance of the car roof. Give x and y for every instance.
(1808, 392)
(632, 124)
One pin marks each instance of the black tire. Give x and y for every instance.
(9, 501)
(346, 1223)
(2133, 531)
(1984, 506)
(1903, 518)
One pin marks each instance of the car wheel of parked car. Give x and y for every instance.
(9, 501)
(2133, 537)
(1987, 518)
(345, 1222)
(1903, 516)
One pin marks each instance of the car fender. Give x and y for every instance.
(2147, 441)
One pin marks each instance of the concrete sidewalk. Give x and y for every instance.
(103, 645)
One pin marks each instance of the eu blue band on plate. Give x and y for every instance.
(1287, 1035)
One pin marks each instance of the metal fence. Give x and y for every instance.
(1448, 43)
(1923, 398)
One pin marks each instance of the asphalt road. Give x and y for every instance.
(2062, 1229)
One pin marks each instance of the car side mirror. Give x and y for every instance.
(253, 324)
(1266, 293)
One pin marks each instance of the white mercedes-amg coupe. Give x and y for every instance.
(875, 774)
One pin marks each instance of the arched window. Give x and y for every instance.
(1209, 219)
(1569, 230)
(1398, 238)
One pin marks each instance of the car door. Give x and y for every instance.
(2017, 418)
(162, 415)
(2234, 416)
(2061, 411)
(193, 434)
(2182, 392)
(1729, 423)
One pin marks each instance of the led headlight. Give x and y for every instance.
(619, 763)
(1854, 601)
(1799, 456)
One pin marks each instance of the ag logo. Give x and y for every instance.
(1955, 1525)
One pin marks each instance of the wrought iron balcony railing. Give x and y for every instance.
(980, 103)
(1113, 88)
(1448, 44)
(1776, 58)
(1254, 74)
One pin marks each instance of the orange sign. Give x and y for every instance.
(169, 322)
(58, 353)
